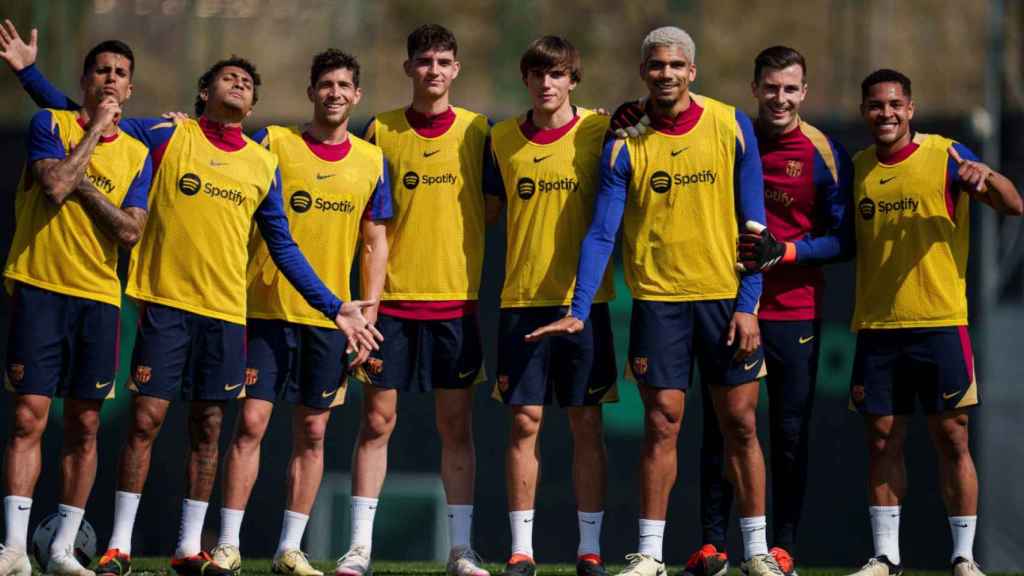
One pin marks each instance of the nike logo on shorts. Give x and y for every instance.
(328, 394)
(102, 385)
(950, 395)
(805, 339)
(463, 375)
(230, 387)
(751, 366)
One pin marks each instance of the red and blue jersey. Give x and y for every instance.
(807, 187)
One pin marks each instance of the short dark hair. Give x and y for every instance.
(330, 60)
(551, 52)
(882, 76)
(777, 58)
(207, 78)
(430, 36)
(113, 46)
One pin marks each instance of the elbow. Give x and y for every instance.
(1015, 208)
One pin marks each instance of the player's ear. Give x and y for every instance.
(128, 93)
(357, 96)
(910, 110)
(456, 66)
(407, 66)
(310, 93)
(204, 94)
(693, 72)
(753, 89)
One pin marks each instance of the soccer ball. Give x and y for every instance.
(85, 541)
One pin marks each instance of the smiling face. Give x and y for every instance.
(334, 96)
(432, 72)
(887, 110)
(779, 94)
(549, 89)
(668, 74)
(109, 77)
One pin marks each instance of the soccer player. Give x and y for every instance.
(338, 191)
(83, 194)
(912, 193)
(189, 276)
(807, 191)
(428, 313)
(548, 160)
(681, 190)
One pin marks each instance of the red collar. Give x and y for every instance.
(103, 139)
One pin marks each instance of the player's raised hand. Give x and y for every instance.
(108, 112)
(744, 329)
(973, 173)
(13, 49)
(630, 120)
(360, 333)
(566, 325)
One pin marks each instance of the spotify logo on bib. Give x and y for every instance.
(300, 201)
(411, 180)
(525, 187)
(189, 184)
(661, 181)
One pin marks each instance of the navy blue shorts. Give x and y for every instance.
(421, 355)
(892, 368)
(303, 364)
(578, 368)
(666, 337)
(61, 345)
(175, 349)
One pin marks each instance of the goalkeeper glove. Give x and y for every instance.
(630, 120)
(759, 250)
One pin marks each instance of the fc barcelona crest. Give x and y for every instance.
(794, 168)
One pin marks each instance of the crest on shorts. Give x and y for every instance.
(794, 168)
(374, 366)
(251, 375)
(857, 394)
(15, 373)
(503, 382)
(142, 374)
(640, 365)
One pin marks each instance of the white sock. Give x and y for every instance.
(292, 528)
(460, 524)
(363, 511)
(885, 528)
(521, 522)
(126, 504)
(652, 535)
(16, 512)
(230, 526)
(755, 539)
(963, 536)
(590, 532)
(193, 514)
(70, 519)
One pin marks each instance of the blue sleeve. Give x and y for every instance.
(493, 184)
(261, 137)
(381, 206)
(138, 193)
(616, 171)
(42, 92)
(834, 198)
(44, 141)
(367, 133)
(273, 224)
(749, 179)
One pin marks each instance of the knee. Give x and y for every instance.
(525, 425)
(952, 442)
(146, 425)
(739, 427)
(884, 445)
(378, 425)
(313, 433)
(455, 428)
(28, 425)
(81, 431)
(251, 429)
(206, 428)
(662, 426)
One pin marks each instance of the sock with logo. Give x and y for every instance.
(230, 526)
(126, 505)
(193, 514)
(292, 528)
(963, 536)
(17, 509)
(590, 532)
(363, 511)
(652, 536)
(755, 539)
(521, 522)
(885, 529)
(460, 524)
(70, 519)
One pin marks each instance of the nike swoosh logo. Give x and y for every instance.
(467, 374)
(429, 154)
(528, 521)
(539, 159)
(230, 387)
(680, 151)
(886, 180)
(328, 394)
(20, 507)
(950, 395)
(805, 339)
(961, 525)
(751, 366)
(591, 522)
(101, 385)
(215, 163)
(595, 391)
(324, 176)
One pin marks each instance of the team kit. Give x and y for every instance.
(241, 249)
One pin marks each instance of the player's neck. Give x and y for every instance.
(226, 120)
(890, 149)
(428, 105)
(772, 131)
(678, 107)
(552, 120)
(327, 133)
